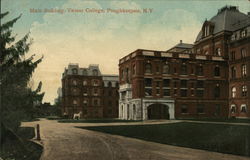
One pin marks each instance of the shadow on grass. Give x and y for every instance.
(220, 120)
(95, 121)
(230, 139)
(21, 148)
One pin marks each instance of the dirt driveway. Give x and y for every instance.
(62, 141)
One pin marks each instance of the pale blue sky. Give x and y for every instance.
(103, 39)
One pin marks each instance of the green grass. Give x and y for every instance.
(220, 120)
(222, 138)
(21, 149)
(95, 121)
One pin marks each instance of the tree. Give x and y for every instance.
(16, 70)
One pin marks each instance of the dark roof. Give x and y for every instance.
(228, 19)
(184, 45)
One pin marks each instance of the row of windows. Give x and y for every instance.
(243, 54)
(243, 71)
(243, 108)
(243, 34)
(183, 92)
(200, 109)
(94, 83)
(167, 83)
(84, 72)
(95, 102)
(243, 91)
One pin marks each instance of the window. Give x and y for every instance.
(175, 92)
(200, 108)
(218, 52)
(74, 82)
(74, 71)
(166, 92)
(95, 72)
(243, 53)
(122, 75)
(166, 83)
(148, 68)
(148, 92)
(166, 69)
(243, 108)
(233, 108)
(183, 83)
(157, 91)
(199, 92)
(233, 72)
(184, 69)
(84, 72)
(243, 34)
(74, 102)
(200, 84)
(217, 91)
(217, 71)
(233, 55)
(183, 92)
(95, 102)
(184, 108)
(244, 91)
(85, 102)
(233, 92)
(148, 82)
(95, 91)
(199, 70)
(84, 91)
(233, 37)
(84, 83)
(95, 83)
(244, 70)
(206, 31)
(206, 52)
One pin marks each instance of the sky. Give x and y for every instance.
(103, 38)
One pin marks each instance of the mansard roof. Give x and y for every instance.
(228, 18)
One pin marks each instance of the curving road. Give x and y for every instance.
(62, 141)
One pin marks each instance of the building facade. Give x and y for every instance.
(209, 78)
(85, 90)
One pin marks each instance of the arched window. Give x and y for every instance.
(244, 91)
(74, 82)
(166, 69)
(217, 71)
(233, 108)
(233, 92)
(95, 72)
(243, 108)
(148, 68)
(84, 83)
(218, 52)
(74, 102)
(217, 91)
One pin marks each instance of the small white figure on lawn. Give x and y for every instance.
(77, 115)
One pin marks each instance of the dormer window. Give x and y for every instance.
(95, 72)
(207, 30)
(243, 34)
(74, 71)
(218, 51)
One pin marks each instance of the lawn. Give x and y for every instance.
(95, 121)
(232, 139)
(220, 120)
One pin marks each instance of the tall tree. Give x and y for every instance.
(16, 70)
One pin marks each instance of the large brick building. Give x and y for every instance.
(86, 90)
(210, 78)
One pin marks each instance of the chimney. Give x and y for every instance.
(180, 41)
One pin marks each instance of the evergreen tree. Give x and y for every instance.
(17, 97)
